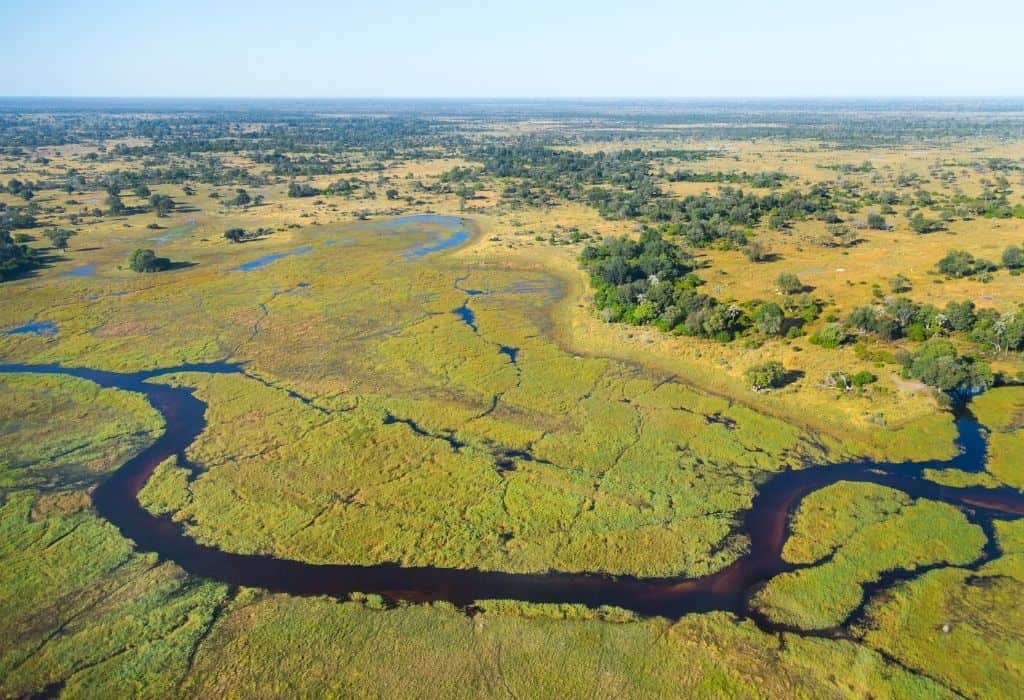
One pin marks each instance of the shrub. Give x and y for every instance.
(899, 284)
(756, 251)
(957, 263)
(765, 376)
(789, 283)
(831, 336)
(145, 260)
(877, 222)
(862, 379)
(937, 364)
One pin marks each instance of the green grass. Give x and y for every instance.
(79, 605)
(1002, 412)
(884, 533)
(828, 518)
(956, 626)
(508, 653)
(87, 432)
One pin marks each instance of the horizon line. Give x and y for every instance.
(618, 98)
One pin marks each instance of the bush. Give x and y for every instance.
(789, 283)
(877, 222)
(756, 251)
(1013, 257)
(765, 376)
(145, 260)
(937, 364)
(862, 379)
(957, 263)
(899, 284)
(831, 336)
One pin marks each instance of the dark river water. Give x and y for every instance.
(729, 589)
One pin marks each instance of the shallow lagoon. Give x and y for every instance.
(45, 328)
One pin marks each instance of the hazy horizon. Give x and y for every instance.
(735, 49)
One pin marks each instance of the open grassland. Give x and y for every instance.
(953, 613)
(89, 430)
(431, 446)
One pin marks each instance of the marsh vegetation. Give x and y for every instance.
(515, 346)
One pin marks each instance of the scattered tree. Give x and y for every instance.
(161, 204)
(765, 376)
(1013, 257)
(877, 222)
(789, 283)
(59, 237)
(756, 251)
(145, 260)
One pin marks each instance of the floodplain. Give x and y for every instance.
(519, 356)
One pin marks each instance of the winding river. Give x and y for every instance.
(116, 500)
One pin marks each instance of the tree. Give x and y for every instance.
(241, 198)
(960, 315)
(1013, 257)
(756, 251)
(877, 222)
(114, 204)
(937, 364)
(899, 284)
(768, 319)
(59, 237)
(789, 283)
(765, 376)
(235, 235)
(303, 190)
(14, 258)
(957, 263)
(391, 193)
(258, 199)
(145, 260)
(161, 204)
(142, 191)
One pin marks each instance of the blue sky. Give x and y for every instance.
(399, 48)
